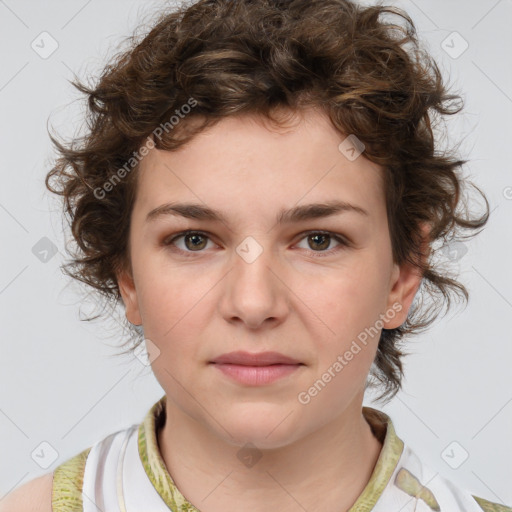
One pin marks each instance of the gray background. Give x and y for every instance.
(61, 384)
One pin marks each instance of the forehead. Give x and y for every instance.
(243, 163)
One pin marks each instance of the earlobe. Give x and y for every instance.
(403, 292)
(129, 294)
(406, 281)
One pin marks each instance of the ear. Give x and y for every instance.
(129, 294)
(405, 282)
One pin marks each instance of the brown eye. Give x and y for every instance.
(319, 241)
(193, 241)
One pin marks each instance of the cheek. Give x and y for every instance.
(347, 301)
(166, 292)
(172, 321)
(163, 304)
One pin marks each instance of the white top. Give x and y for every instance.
(125, 472)
(115, 480)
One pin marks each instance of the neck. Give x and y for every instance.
(326, 470)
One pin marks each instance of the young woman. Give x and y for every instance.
(262, 189)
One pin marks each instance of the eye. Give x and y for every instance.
(321, 240)
(196, 241)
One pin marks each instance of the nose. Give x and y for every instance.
(254, 291)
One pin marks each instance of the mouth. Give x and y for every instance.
(255, 359)
(256, 369)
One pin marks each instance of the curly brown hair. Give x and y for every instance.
(260, 57)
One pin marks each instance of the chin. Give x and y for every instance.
(264, 430)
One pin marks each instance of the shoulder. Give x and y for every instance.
(61, 490)
(416, 479)
(489, 506)
(68, 482)
(34, 496)
(58, 491)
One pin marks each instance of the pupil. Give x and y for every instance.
(195, 237)
(325, 237)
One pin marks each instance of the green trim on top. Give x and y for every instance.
(153, 462)
(389, 456)
(67, 484)
(161, 479)
(68, 477)
(489, 506)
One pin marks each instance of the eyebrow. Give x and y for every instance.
(287, 216)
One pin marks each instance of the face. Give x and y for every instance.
(317, 286)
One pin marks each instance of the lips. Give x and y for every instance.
(256, 369)
(255, 359)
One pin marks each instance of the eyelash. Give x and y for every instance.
(317, 254)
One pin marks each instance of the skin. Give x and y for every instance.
(318, 455)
